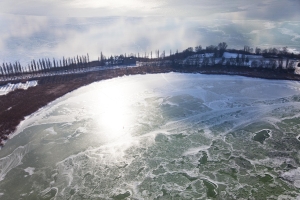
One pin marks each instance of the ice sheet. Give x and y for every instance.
(189, 135)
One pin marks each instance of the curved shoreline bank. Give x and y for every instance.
(16, 105)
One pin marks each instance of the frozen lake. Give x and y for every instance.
(160, 136)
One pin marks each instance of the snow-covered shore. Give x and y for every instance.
(5, 89)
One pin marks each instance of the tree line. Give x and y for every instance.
(273, 58)
(44, 65)
(212, 55)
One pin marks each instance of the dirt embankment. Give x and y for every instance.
(16, 105)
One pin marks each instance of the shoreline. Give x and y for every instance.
(18, 104)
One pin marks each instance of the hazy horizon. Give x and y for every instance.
(37, 29)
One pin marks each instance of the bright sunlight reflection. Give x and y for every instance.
(114, 115)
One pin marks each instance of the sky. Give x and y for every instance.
(274, 10)
(32, 29)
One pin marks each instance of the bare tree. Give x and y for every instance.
(198, 48)
(1, 71)
(258, 50)
(247, 49)
(284, 50)
(222, 46)
(211, 48)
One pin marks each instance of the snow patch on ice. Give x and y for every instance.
(193, 151)
(293, 176)
(51, 131)
(287, 197)
(13, 160)
(29, 170)
(82, 130)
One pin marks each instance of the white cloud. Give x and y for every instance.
(112, 4)
(269, 25)
(57, 38)
(295, 36)
(271, 10)
(46, 28)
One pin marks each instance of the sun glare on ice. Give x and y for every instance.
(113, 113)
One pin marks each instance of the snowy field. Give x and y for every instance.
(5, 89)
(155, 136)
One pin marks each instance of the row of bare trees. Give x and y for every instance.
(158, 58)
(9, 70)
(47, 66)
